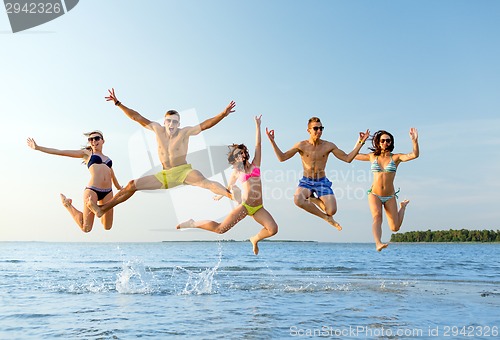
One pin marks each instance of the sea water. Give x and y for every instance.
(211, 290)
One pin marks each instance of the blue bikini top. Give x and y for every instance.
(391, 167)
(96, 159)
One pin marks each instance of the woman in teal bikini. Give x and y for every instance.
(382, 193)
(249, 175)
(101, 177)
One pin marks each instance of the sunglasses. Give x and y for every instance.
(388, 141)
(233, 157)
(95, 139)
(316, 128)
(173, 121)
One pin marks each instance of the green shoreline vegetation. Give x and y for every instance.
(463, 235)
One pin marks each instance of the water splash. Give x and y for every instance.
(202, 282)
(135, 279)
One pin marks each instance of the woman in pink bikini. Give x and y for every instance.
(101, 177)
(382, 193)
(249, 175)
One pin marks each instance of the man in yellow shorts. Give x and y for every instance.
(172, 150)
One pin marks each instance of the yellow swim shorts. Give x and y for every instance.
(173, 177)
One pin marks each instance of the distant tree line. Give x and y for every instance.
(451, 235)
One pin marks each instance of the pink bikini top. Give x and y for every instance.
(255, 173)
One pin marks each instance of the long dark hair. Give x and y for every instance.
(244, 150)
(376, 149)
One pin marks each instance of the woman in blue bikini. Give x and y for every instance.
(249, 175)
(382, 193)
(101, 177)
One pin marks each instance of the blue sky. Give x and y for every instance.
(387, 65)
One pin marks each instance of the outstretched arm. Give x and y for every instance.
(282, 156)
(132, 114)
(207, 124)
(362, 157)
(258, 148)
(68, 153)
(363, 136)
(415, 152)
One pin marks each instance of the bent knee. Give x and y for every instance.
(86, 228)
(299, 200)
(331, 211)
(130, 186)
(221, 231)
(394, 228)
(273, 230)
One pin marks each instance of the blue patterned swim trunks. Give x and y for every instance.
(320, 187)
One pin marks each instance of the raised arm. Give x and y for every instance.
(363, 136)
(258, 148)
(362, 156)
(132, 114)
(67, 153)
(282, 156)
(415, 152)
(207, 124)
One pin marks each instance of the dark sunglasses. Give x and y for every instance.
(232, 157)
(388, 141)
(95, 139)
(316, 128)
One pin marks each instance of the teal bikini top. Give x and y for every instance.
(391, 167)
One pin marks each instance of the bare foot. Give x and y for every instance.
(404, 203)
(381, 246)
(94, 208)
(66, 201)
(334, 223)
(319, 203)
(187, 224)
(254, 244)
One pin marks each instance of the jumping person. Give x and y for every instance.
(314, 153)
(101, 177)
(252, 204)
(172, 150)
(382, 193)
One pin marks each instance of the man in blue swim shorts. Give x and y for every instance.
(314, 193)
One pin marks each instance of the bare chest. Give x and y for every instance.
(315, 154)
(173, 147)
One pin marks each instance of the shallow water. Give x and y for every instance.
(210, 290)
